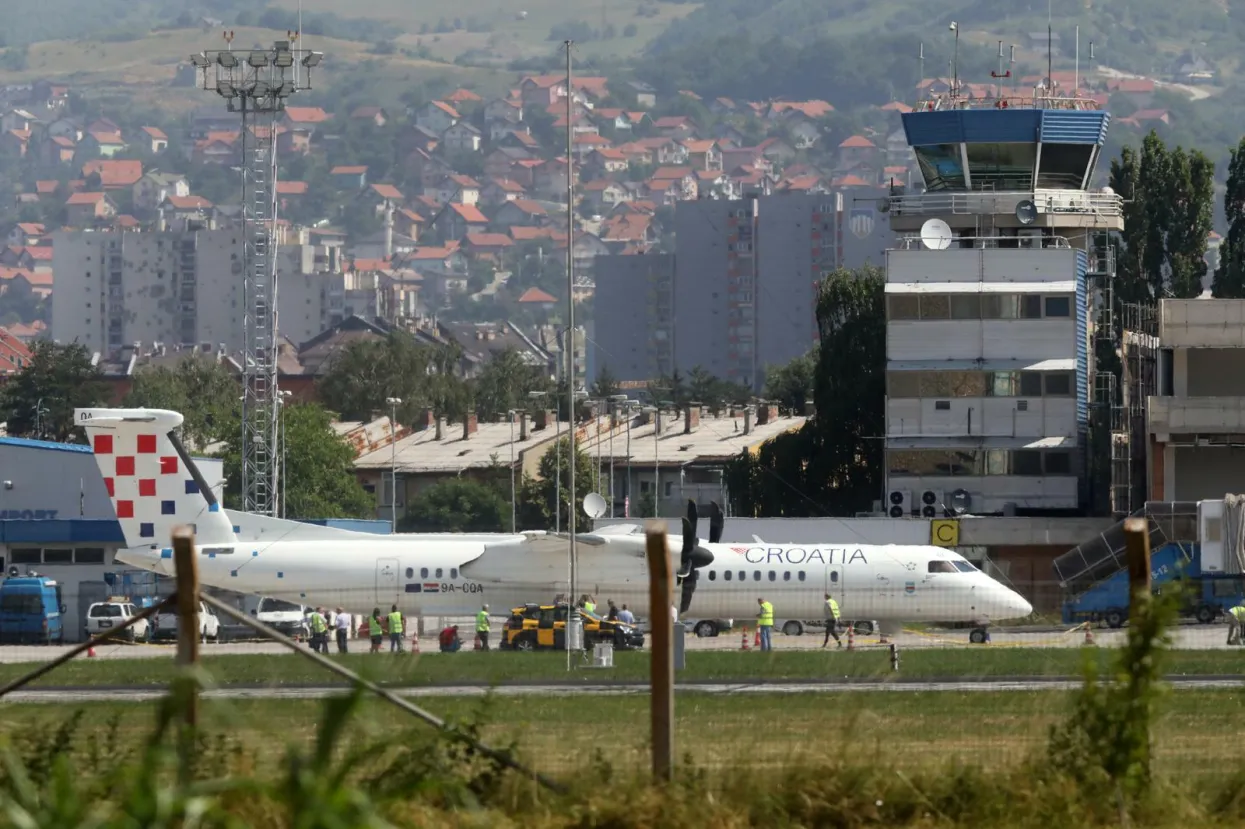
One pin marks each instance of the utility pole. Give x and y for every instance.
(257, 85)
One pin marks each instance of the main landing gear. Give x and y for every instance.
(979, 636)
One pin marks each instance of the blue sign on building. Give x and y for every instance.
(28, 514)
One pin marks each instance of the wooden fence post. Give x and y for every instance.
(187, 569)
(1137, 543)
(661, 624)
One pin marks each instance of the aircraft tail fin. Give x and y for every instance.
(152, 481)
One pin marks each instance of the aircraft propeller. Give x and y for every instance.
(693, 555)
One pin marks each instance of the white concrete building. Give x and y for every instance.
(988, 341)
(113, 289)
(1197, 420)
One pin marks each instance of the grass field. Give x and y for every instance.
(1197, 729)
(148, 64)
(519, 668)
(513, 37)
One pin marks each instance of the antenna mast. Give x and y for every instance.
(1050, 81)
(569, 348)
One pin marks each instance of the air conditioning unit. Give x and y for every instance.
(899, 503)
(1030, 237)
(931, 504)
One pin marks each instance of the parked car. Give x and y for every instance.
(103, 616)
(167, 624)
(707, 628)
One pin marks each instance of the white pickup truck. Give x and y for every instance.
(167, 624)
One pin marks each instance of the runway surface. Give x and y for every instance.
(61, 696)
(1192, 637)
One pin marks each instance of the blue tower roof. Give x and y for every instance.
(1006, 144)
(1005, 126)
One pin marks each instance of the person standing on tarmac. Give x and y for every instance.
(482, 627)
(318, 629)
(832, 621)
(765, 624)
(342, 623)
(376, 630)
(395, 630)
(1236, 622)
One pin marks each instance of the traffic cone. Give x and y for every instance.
(477, 642)
(415, 641)
(743, 646)
(756, 638)
(1089, 634)
(851, 637)
(90, 652)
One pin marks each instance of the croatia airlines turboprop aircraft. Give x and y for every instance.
(155, 487)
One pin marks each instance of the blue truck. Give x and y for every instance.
(32, 611)
(1207, 595)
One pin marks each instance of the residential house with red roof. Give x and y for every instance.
(437, 116)
(457, 188)
(349, 176)
(676, 126)
(857, 151)
(87, 209)
(154, 187)
(459, 220)
(180, 211)
(374, 114)
(14, 355)
(518, 212)
(500, 190)
(152, 139)
(463, 137)
(114, 174)
(486, 246)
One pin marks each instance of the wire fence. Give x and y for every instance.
(937, 667)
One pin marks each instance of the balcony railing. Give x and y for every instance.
(978, 202)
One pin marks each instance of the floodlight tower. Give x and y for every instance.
(256, 85)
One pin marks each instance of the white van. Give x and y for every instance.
(282, 616)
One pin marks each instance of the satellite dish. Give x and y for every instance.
(594, 505)
(936, 235)
(960, 501)
(1107, 191)
(1026, 212)
(883, 205)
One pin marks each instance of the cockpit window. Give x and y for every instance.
(964, 567)
(941, 567)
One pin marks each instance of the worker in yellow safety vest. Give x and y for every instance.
(376, 630)
(765, 624)
(482, 627)
(1236, 621)
(395, 630)
(832, 621)
(318, 628)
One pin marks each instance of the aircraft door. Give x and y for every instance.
(836, 587)
(387, 581)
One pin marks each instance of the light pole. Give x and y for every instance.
(557, 473)
(511, 413)
(394, 403)
(40, 411)
(617, 401)
(654, 412)
(630, 407)
(283, 400)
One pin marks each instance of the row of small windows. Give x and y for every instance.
(908, 384)
(423, 573)
(979, 462)
(56, 555)
(978, 306)
(728, 575)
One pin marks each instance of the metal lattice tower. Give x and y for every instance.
(256, 85)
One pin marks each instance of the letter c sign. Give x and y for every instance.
(944, 532)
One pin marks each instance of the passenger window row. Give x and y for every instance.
(756, 575)
(423, 572)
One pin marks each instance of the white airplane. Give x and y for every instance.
(155, 487)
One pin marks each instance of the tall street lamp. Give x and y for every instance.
(557, 473)
(655, 412)
(617, 402)
(283, 400)
(394, 403)
(511, 414)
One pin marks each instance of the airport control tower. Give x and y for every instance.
(992, 298)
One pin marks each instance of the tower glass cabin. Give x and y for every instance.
(989, 334)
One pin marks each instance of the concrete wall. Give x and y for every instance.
(1215, 372)
(1202, 323)
(1202, 473)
